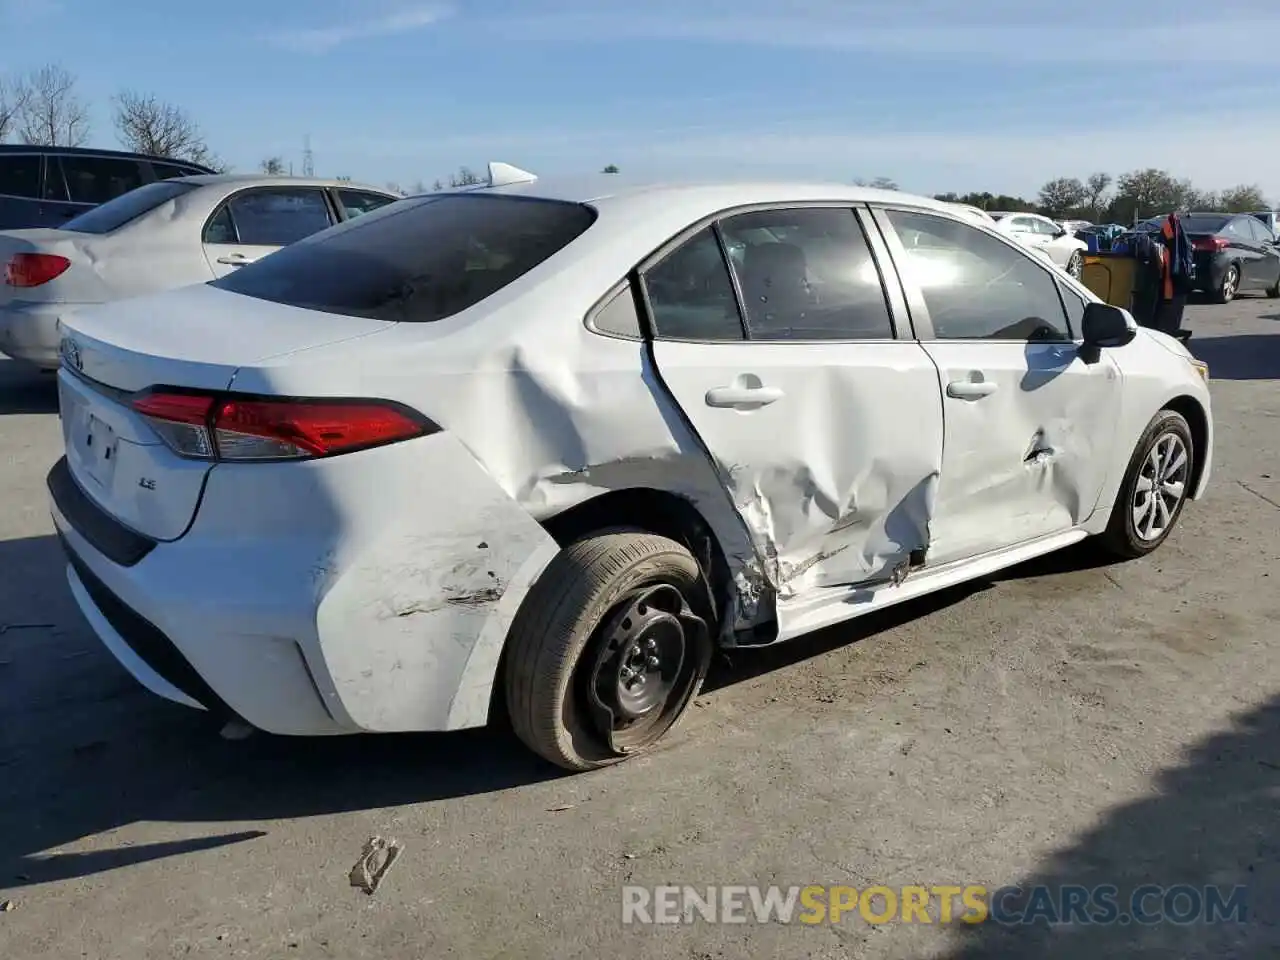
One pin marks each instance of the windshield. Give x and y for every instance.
(418, 260)
(114, 214)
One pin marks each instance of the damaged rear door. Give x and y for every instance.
(1029, 421)
(773, 332)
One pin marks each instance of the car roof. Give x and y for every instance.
(273, 180)
(697, 198)
(11, 148)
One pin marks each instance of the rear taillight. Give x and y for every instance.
(227, 427)
(34, 269)
(1212, 244)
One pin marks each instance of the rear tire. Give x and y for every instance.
(607, 653)
(1155, 488)
(1274, 291)
(1230, 285)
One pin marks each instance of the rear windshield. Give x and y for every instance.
(1204, 224)
(114, 214)
(417, 260)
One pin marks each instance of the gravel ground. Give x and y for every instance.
(1060, 724)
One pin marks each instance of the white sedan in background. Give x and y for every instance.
(551, 444)
(162, 235)
(1045, 237)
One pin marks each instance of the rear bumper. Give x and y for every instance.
(370, 592)
(29, 332)
(1210, 270)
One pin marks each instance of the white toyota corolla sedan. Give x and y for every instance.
(163, 235)
(544, 446)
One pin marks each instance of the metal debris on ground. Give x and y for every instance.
(375, 860)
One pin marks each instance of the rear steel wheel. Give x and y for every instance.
(608, 650)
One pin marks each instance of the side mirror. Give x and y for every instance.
(1107, 326)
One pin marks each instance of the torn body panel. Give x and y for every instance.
(1026, 457)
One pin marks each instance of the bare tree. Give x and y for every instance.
(146, 124)
(877, 183)
(13, 97)
(273, 166)
(1096, 187)
(52, 113)
(465, 177)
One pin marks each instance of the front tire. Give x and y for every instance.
(1155, 488)
(607, 651)
(1230, 285)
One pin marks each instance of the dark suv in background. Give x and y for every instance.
(47, 186)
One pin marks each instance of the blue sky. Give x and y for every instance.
(938, 94)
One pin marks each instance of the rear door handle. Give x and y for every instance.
(743, 396)
(970, 389)
(235, 260)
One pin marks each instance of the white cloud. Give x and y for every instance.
(324, 39)
(1190, 32)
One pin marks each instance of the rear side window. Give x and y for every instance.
(116, 213)
(271, 218)
(99, 179)
(356, 203)
(417, 260)
(20, 176)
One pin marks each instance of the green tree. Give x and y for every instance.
(611, 168)
(1063, 196)
(273, 166)
(1148, 193)
(1244, 198)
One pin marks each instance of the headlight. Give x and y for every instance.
(1201, 368)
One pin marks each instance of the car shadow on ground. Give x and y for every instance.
(1210, 823)
(84, 749)
(1248, 356)
(24, 389)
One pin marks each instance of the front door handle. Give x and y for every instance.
(743, 396)
(970, 389)
(235, 260)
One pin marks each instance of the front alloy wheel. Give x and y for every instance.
(1155, 487)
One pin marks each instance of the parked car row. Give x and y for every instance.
(539, 448)
(169, 233)
(1233, 253)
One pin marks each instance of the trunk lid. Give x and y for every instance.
(79, 283)
(195, 337)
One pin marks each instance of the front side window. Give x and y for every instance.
(415, 261)
(691, 293)
(975, 286)
(275, 217)
(806, 274)
(99, 179)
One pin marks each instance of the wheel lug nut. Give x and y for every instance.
(626, 673)
(651, 644)
(653, 661)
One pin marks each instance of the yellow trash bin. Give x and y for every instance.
(1111, 277)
